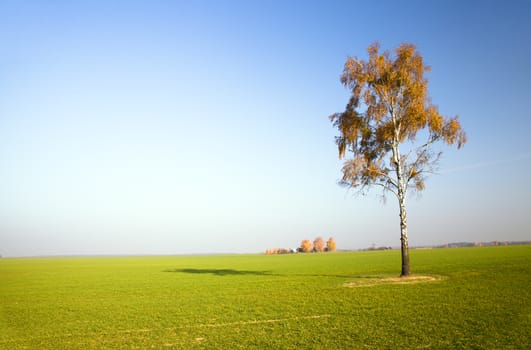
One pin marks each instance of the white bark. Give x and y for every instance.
(402, 183)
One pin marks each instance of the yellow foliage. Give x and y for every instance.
(331, 245)
(306, 246)
(389, 105)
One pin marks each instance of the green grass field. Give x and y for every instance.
(481, 299)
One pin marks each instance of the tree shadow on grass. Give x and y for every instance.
(233, 272)
(222, 272)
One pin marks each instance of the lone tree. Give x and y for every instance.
(389, 107)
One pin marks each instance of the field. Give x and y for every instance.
(479, 298)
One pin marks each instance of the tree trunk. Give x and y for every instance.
(401, 194)
(404, 247)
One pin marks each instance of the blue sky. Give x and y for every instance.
(173, 127)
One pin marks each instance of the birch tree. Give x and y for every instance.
(389, 127)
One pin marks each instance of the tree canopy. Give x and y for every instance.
(389, 105)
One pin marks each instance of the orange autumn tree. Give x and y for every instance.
(319, 244)
(331, 245)
(306, 246)
(388, 108)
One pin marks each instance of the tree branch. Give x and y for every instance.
(387, 188)
(389, 179)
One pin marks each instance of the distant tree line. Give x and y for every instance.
(307, 246)
(481, 244)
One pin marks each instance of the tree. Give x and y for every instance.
(389, 107)
(306, 246)
(319, 244)
(331, 245)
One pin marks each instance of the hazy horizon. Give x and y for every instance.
(161, 127)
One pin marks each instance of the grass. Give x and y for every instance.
(479, 299)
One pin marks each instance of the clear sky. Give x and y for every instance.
(179, 127)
